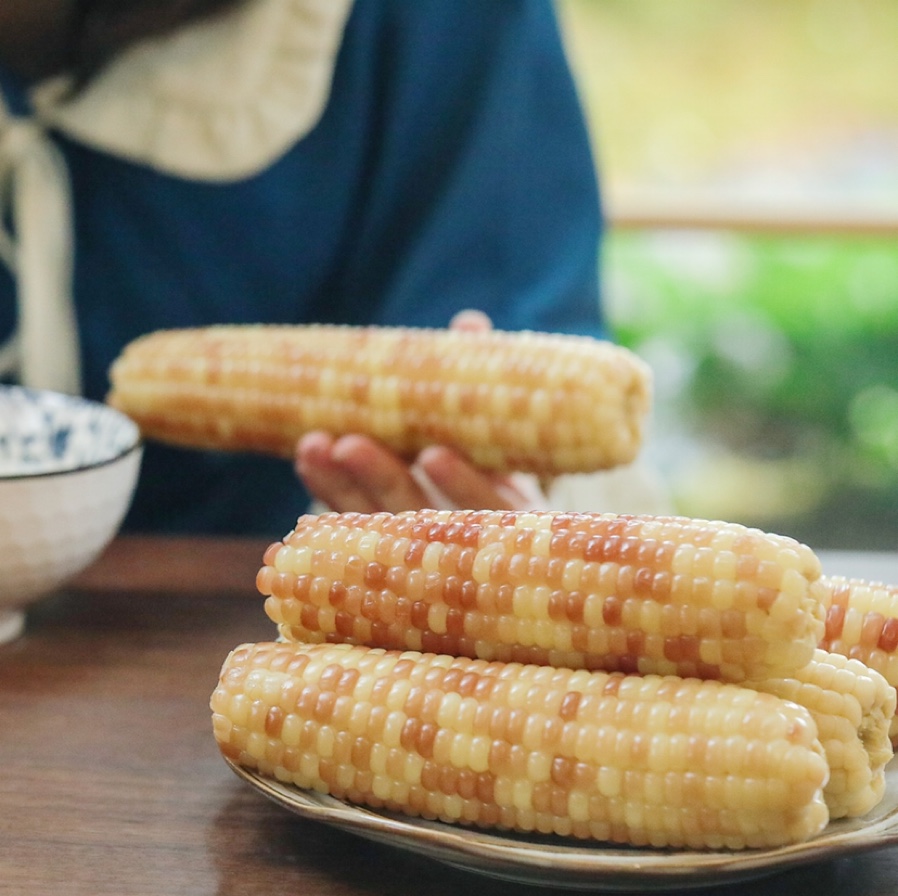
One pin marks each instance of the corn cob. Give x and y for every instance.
(666, 595)
(862, 623)
(658, 761)
(544, 403)
(852, 707)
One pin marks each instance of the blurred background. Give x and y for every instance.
(748, 154)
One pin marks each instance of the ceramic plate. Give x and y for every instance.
(539, 860)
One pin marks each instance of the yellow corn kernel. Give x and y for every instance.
(540, 402)
(643, 760)
(853, 707)
(664, 595)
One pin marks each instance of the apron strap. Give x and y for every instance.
(36, 243)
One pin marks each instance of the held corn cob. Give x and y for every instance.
(543, 403)
(666, 595)
(862, 623)
(658, 761)
(852, 707)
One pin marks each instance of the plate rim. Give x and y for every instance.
(580, 864)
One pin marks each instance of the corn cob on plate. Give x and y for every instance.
(641, 760)
(665, 595)
(530, 858)
(853, 707)
(535, 402)
(849, 705)
(862, 623)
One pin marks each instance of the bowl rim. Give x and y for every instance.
(81, 468)
(134, 443)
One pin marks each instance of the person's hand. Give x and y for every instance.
(357, 473)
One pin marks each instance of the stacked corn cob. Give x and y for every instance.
(862, 623)
(526, 747)
(636, 594)
(535, 402)
(556, 672)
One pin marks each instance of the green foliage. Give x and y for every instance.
(786, 350)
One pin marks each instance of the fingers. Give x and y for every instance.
(355, 473)
(325, 478)
(466, 486)
(471, 320)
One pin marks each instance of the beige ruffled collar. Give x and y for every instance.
(220, 100)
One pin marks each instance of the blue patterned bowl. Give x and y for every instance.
(68, 468)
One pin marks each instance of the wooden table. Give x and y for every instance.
(111, 782)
